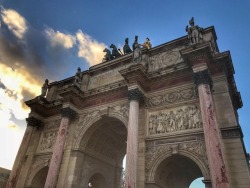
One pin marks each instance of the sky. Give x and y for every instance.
(50, 39)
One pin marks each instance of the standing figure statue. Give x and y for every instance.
(45, 88)
(147, 44)
(78, 78)
(135, 42)
(107, 56)
(115, 52)
(126, 48)
(137, 54)
(194, 32)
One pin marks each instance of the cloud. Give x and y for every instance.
(12, 101)
(40, 54)
(60, 39)
(27, 57)
(89, 49)
(15, 22)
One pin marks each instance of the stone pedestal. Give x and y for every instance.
(31, 122)
(211, 131)
(51, 180)
(132, 139)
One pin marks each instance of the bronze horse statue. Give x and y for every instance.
(107, 56)
(115, 52)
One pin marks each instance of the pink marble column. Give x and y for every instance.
(211, 131)
(31, 122)
(56, 159)
(132, 139)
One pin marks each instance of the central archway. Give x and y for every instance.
(177, 171)
(104, 147)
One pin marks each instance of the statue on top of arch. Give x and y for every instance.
(194, 32)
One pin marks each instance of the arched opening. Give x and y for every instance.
(177, 171)
(40, 178)
(197, 183)
(97, 181)
(104, 145)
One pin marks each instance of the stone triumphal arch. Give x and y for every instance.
(171, 109)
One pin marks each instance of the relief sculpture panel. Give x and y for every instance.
(48, 141)
(176, 119)
(165, 59)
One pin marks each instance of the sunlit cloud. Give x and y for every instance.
(15, 22)
(89, 49)
(58, 38)
(12, 97)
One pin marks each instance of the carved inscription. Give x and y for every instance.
(169, 98)
(106, 78)
(165, 59)
(181, 118)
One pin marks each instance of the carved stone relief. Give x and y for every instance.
(172, 97)
(165, 59)
(120, 109)
(48, 141)
(176, 119)
(154, 152)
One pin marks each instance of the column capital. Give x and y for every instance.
(135, 94)
(203, 77)
(68, 112)
(34, 122)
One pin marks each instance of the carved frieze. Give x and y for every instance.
(176, 119)
(48, 141)
(165, 59)
(172, 97)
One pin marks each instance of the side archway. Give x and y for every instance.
(39, 179)
(185, 165)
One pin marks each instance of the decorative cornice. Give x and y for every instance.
(202, 77)
(34, 122)
(135, 94)
(68, 112)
